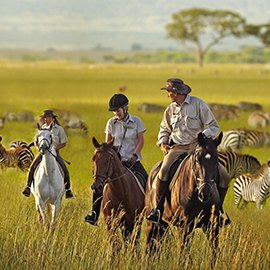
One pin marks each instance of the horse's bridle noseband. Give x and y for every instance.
(104, 179)
(201, 183)
(50, 142)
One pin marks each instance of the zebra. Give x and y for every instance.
(238, 164)
(235, 139)
(19, 155)
(252, 189)
(257, 138)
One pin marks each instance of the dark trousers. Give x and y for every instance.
(37, 161)
(138, 167)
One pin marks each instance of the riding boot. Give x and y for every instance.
(162, 189)
(30, 177)
(69, 193)
(93, 218)
(222, 193)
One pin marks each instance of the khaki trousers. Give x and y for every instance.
(175, 152)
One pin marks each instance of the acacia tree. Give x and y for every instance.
(200, 29)
(260, 31)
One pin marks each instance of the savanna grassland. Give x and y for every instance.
(86, 89)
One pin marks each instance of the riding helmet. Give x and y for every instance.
(118, 101)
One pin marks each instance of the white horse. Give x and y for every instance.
(48, 186)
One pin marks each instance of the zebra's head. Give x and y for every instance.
(44, 141)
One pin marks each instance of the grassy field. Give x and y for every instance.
(86, 89)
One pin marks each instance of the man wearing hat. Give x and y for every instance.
(183, 119)
(48, 118)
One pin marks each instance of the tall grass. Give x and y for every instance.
(86, 89)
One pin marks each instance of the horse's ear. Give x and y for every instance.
(0, 138)
(38, 126)
(95, 142)
(110, 143)
(201, 139)
(219, 138)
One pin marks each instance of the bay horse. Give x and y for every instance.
(193, 200)
(123, 199)
(48, 186)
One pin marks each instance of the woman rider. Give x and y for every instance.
(128, 134)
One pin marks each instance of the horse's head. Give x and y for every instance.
(44, 140)
(103, 164)
(205, 165)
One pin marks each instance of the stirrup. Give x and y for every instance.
(94, 222)
(154, 216)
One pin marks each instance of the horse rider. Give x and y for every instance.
(48, 118)
(128, 134)
(183, 119)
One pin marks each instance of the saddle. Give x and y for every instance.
(138, 176)
(174, 168)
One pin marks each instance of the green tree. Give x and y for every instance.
(198, 30)
(260, 31)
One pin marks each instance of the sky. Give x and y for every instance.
(116, 24)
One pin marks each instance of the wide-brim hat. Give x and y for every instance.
(48, 113)
(176, 85)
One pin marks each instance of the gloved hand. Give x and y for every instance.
(133, 159)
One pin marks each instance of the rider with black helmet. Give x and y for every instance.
(128, 134)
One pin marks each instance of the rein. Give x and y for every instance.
(199, 180)
(107, 178)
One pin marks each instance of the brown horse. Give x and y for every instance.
(123, 198)
(193, 200)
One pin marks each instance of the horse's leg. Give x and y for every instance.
(155, 233)
(42, 210)
(112, 226)
(40, 218)
(212, 231)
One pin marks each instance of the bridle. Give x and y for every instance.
(107, 177)
(200, 181)
(49, 142)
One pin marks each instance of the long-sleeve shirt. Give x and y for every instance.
(182, 123)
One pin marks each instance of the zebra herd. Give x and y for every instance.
(253, 186)
(18, 155)
(234, 140)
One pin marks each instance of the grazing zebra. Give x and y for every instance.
(235, 139)
(19, 155)
(238, 164)
(257, 138)
(253, 189)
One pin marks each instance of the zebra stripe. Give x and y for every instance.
(251, 189)
(234, 140)
(237, 164)
(19, 155)
(257, 138)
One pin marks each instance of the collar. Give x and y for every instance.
(187, 100)
(129, 118)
